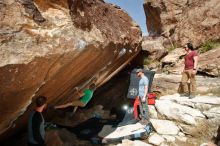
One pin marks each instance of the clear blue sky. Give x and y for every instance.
(135, 10)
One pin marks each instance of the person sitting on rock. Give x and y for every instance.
(85, 97)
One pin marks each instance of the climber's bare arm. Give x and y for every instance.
(63, 106)
(79, 92)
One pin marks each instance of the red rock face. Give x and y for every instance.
(209, 62)
(87, 13)
(153, 20)
(50, 47)
(184, 21)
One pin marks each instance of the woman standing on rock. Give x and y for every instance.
(190, 70)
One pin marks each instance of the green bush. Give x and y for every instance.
(209, 45)
(171, 48)
(146, 61)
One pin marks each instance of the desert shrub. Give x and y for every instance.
(146, 61)
(171, 48)
(209, 45)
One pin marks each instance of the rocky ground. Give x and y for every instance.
(177, 121)
(191, 121)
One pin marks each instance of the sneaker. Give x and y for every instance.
(184, 95)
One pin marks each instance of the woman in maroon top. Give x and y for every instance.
(190, 70)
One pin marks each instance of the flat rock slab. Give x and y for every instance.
(178, 112)
(156, 139)
(124, 131)
(213, 112)
(214, 100)
(127, 142)
(165, 127)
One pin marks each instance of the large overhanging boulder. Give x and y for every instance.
(50, 47)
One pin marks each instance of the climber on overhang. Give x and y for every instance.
(84, 97)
